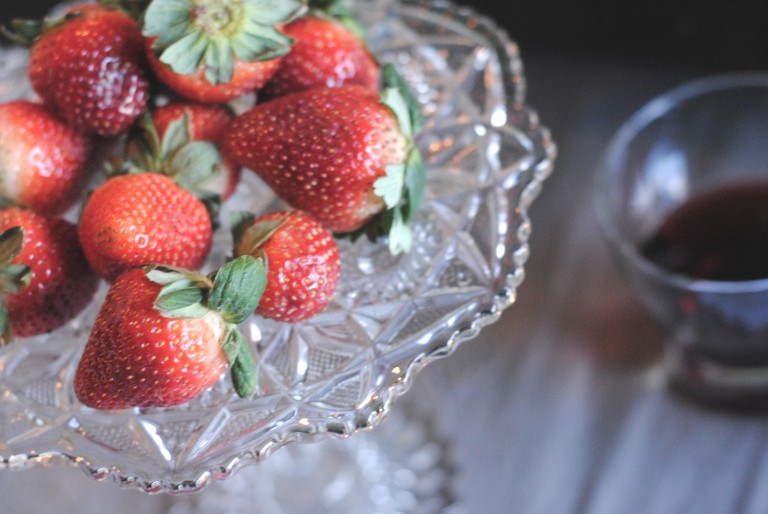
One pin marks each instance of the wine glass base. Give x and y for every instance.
(711, 384)
(402, 466)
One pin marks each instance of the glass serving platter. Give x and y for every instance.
(340, 372)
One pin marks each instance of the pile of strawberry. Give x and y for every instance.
(328, 129)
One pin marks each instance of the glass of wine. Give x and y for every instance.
(682, 198)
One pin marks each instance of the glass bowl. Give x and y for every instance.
(339, 373)
(675, 200)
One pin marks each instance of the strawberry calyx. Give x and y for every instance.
(234, 292)
(14, 278)
(402, 186)
(249, 236)
(215, 33)
(134, 8)
(339, 11)
(26, 32)
(190, 163)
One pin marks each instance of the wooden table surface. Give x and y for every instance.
(560, 407)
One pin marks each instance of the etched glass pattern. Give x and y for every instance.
(339, 373)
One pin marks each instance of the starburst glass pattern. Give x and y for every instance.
(338, 373)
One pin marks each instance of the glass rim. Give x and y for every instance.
(645, 115)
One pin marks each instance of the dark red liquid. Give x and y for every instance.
(720, 235)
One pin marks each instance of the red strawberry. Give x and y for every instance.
(213, 51)
(345, 155)
(165, 335)
(44, 162)
(89, 68)
(302, 262)
(146, 218)
(325, 54)
(205, 122)
(59, 283)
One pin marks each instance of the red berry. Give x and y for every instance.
(44, 162)
(302, 264)
(213, 51)
(247, 78)
(206, 122)
(61, 282)
(137, 357)
(137, 219)
(321, 150)
(90, 70)
(324, 54)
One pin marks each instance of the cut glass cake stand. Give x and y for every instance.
(340, 372)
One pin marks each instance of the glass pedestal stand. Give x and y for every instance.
(342, 372)
(403, 466)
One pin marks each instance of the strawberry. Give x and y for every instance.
(43, 162)
(44, 276)
(346, 155)
(213, 51)
(204, 122)
(137, 219)
(325, 54)
(302, 262)
(164, 335)
(89, 68)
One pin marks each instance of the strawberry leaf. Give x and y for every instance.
(237, 288)
(143, 151)
(239, 222)
(165, 275)
(176, 135)
(191, 164)
(23, 32)
(390, 186)
(186, 54)
(402, 187)
(194, 164)
(252, 237)
(337, 10)
(400, 236)
(11, 245)
(394, 81)
(15, 278)
(181, 303)
(183, 292)
(134, 8)
(5, 327)
(212, 203)
(241, 364)
(219, 69)
(415, 183)
(214, 33)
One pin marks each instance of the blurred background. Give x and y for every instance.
(707, 34)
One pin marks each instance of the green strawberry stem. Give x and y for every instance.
(14, 278)
(402, 187)
(11, 244)
(339, 11)
(238, 287)
(191, 164)
(26, 32)
(134, 8)
(6, 334)
(241, 365)
(249, 236)
(215, 33)
(234, 292)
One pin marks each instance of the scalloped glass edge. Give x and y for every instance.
(528, 180)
